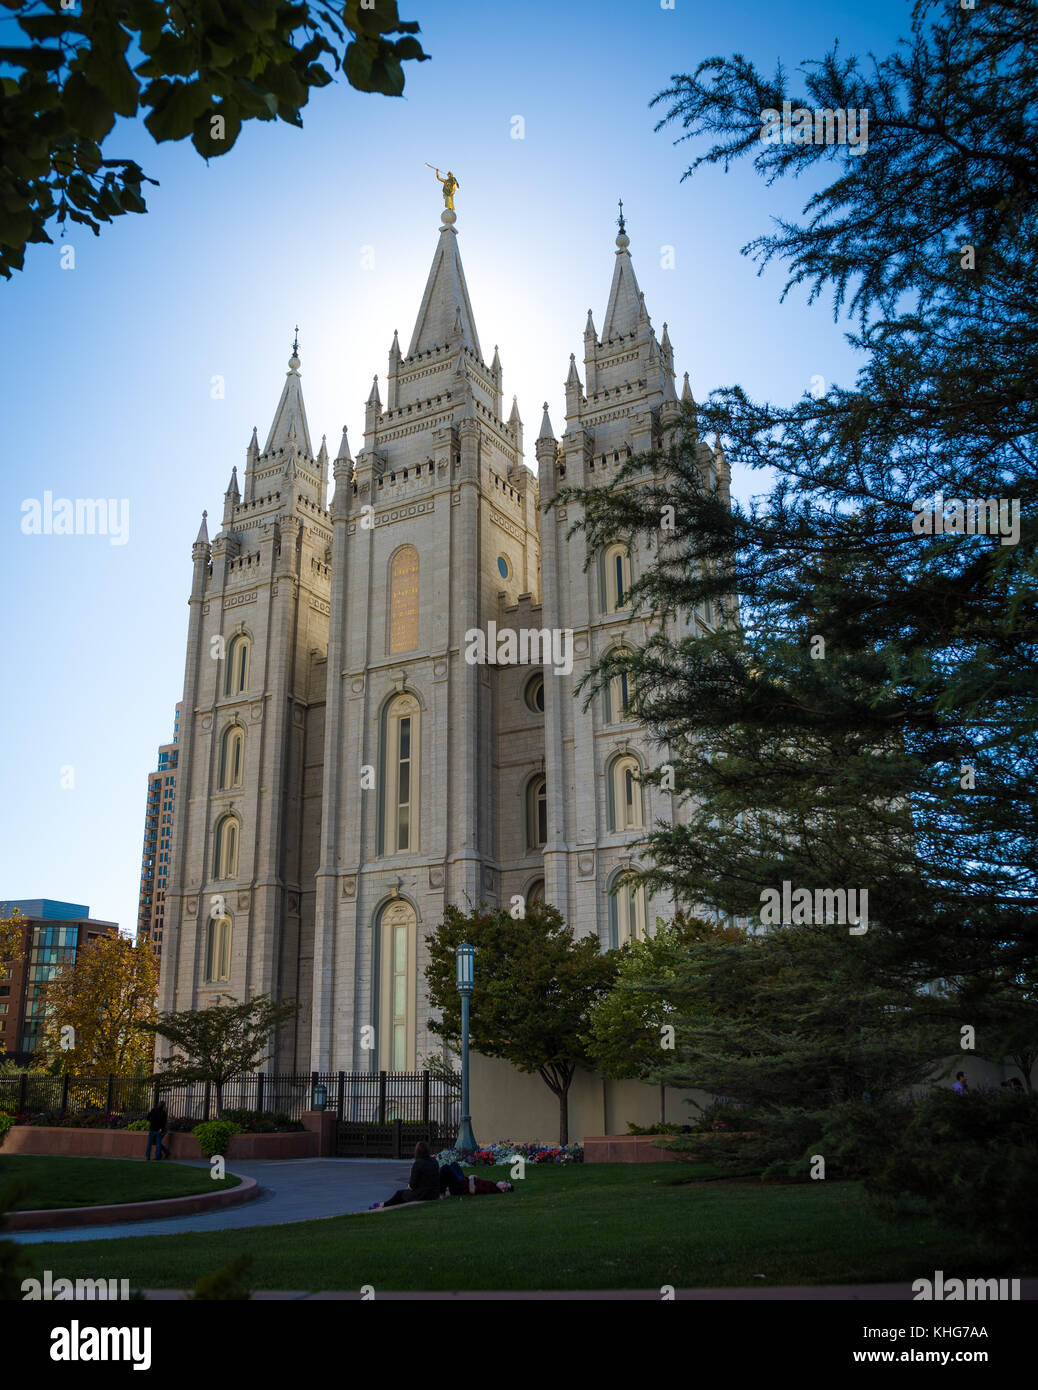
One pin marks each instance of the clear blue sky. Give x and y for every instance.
(107, 367)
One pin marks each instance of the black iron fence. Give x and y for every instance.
(357, 1098)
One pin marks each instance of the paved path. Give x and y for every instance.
(297, 1189)
(830, 1293)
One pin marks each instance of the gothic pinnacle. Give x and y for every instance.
(546, 430)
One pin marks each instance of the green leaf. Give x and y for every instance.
(89, 112)
(316, 76)
(387, 76)
(175, 114)
(205, 141)
(113, 77)
(34, 59)
(357, 65)
(410, 48)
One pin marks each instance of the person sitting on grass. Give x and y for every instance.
(424, 1184)
(454, 1183)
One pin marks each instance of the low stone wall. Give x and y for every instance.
(122, 1143)
(59, 1218)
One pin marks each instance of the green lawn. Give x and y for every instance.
(616, 1226)
(88, 1182)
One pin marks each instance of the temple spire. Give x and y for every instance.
(625, 308)
(290, 417)
(445, 315)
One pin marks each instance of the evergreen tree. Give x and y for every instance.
(863, 715)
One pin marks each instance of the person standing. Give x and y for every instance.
(960, 1088)
(158, 1123)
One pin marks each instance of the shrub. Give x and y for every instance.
(660, 1127)
(213, 1135)
(139, 1126)
(6, 1122)
(262, 1121)
(970, 1159)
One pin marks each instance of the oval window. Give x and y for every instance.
(535, 694)
(503, 567)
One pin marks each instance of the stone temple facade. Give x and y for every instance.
(348, 763)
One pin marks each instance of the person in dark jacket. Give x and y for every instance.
(455, 1183)
(158, 1123)
(424, 1185)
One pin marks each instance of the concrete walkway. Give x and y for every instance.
(298, 1189)
(829, 1293)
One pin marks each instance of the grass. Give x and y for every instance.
(601, 1226)
(88, 1182)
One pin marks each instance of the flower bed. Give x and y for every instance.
(503, 1152)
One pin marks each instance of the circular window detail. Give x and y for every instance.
(534, 694)
(504, 569)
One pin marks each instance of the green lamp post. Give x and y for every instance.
(465, 957)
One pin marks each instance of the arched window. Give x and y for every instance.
(618, 694)
(626, 911)
(232, 757)
(238, 665)
(624, 789)
(617, 577)
(535, 892)
(403, 600)
(225, 850)
(400, 776)
(218, 949)
(536, 814)
(397, 944)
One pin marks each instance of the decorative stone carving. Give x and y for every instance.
(349, 886)
(586, 864)
(436, 877)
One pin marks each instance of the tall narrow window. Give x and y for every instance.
(398, 931)
(237, 665)
(225, 854)
(536, 814)
(232, 757)
(218, 949)
(624, 791)
(618, 695)
(400, 781)
(403, 600)
(626, 912)
(617, 577)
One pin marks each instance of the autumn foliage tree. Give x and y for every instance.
(105, 997)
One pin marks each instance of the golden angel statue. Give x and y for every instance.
(450, 183)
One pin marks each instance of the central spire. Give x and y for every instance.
(446, 313)
(625, 307)
(290, 416)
